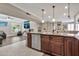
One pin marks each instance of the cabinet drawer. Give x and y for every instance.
(45, 37)
(57, 39)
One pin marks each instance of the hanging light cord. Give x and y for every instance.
(53, 11)
(42, 14)
(69, 10)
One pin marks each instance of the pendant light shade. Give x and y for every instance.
(53, 19)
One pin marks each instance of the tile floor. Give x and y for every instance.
(16, 46)
(11, 40)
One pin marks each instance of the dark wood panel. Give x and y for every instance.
(29, 40)
(56, 44)
(58, 39)
(69, 46)
(45, 43)
(76, 47)
(56, 49)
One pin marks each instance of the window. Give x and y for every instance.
(77, 27)
(70, 27)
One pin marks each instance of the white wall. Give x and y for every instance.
(34, 26)
(7, 29)
(13, 21)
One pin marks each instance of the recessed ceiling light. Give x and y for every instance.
(48, 16)
(43, 21)
(64, 14)
(53, 20)
(66, 7)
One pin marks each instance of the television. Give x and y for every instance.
(27, 24)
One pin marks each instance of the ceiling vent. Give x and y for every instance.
(28, 13)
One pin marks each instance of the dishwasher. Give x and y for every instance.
(36, 41)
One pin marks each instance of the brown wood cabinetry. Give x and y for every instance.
(56, 44)
(69, 46)
(29, 40)
(76, 46)
(45, 43)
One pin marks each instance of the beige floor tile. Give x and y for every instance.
(18, 49)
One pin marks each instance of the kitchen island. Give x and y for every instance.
(63, 44)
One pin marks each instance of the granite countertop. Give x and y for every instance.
(61, 34)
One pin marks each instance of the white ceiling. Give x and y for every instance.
(10, 18)
(35, 9)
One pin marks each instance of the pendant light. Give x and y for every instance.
(43, 16)
(69, 11)
(53, 20)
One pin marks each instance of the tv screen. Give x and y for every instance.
(26, 24)
(3, 23)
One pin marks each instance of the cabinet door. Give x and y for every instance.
(56, 44)
(69, 46)
(76, 53)
(45, 43)
(29, 40)
(56, 49)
